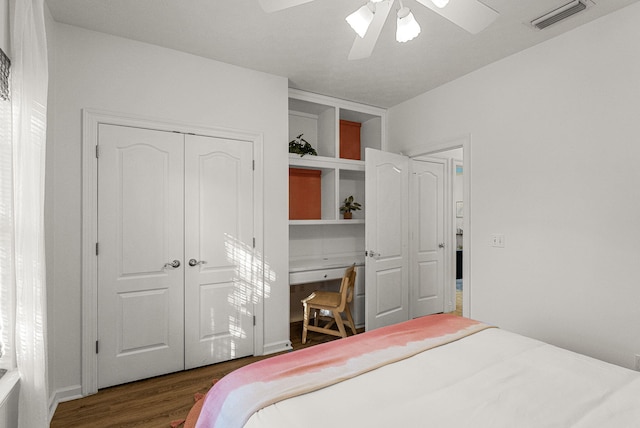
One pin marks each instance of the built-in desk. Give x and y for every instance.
(307, 270)
(316, 270)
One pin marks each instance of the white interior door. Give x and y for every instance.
(386, 238)
(427, 237)
(176, 280)
(140, 298)
(219, 287)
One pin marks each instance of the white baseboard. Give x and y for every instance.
(62, 395)
(272, 348)
(75, 392)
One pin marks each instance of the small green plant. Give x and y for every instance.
(301, 146)
(350, 205)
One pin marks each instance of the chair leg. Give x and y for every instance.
(350, 319)
(305, 324)
(338, 319)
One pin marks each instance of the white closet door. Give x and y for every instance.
(220, 272)
(140, 231)
(387, 237)
(428, 225)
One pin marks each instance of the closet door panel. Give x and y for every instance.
(222, 278)
(140, 231)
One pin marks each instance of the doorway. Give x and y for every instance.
(457, 153)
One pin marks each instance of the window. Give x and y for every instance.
(7, 283)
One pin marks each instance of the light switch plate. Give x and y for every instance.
(497, 240)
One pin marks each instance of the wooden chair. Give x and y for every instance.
(334, 302)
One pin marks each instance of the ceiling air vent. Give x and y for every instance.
(557, 15)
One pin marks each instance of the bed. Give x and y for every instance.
(440, 371)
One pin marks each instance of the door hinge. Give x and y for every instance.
(96, 346)
(254, 242)
(253, 165)
(254, 320)
(97, 151)
(96, 248)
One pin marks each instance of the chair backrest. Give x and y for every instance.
(347, 285)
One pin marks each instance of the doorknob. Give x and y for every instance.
(194, 262)
(371, 253)
(174, 264)
(441, 245)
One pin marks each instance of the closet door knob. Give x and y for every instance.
(174, 264)
(194, 262)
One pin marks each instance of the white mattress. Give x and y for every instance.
(490, 379)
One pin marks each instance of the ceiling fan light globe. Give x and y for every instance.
(440, 3)
(407, 26)
(360, 20)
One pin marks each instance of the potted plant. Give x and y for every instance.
(349, 205)
(300, 146)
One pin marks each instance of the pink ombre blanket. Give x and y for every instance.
(233, 399)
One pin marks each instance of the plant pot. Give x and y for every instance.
(348, 215)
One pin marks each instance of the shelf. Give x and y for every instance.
(318, 162)
(325, 222)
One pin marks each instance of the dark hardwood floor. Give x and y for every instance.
(154, 403)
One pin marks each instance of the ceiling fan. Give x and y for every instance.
(367, 22)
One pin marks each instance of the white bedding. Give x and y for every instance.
(490, 379)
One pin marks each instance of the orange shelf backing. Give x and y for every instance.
(305, 200)
(350, 140)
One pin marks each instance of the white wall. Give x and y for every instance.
(98, 71)
(555, 143)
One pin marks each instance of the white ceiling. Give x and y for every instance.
(309, 44)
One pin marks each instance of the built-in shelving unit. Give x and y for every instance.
(330, 243)
(318, 118)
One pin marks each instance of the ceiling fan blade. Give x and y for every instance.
(276, 5)
(471, 15)
(363, 46)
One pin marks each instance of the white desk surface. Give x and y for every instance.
(329, 262)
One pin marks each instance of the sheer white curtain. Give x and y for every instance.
(29, 81)
(7, 280)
